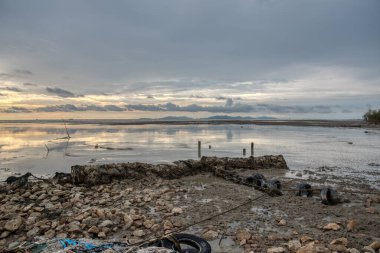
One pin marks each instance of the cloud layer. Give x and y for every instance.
(170, 107)
(212, 56)
(60, 92)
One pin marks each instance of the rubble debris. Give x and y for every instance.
(103, 174)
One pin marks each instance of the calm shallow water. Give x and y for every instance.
(22, 146)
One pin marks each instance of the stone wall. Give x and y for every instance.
(103, 174)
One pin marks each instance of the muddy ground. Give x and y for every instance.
(136, 210)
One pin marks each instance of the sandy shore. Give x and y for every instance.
(139, 209)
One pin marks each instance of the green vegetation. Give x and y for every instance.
(372, 116)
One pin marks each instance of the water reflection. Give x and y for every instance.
(229, 135)
(40, 148)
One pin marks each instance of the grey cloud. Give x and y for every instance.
(23, 72)
(17, 73)
(193, 108)
(113, 108)
(150, 97)
(30, 84)
(224, 98)
(140, 107)
(170, 107)
(4, 76)
(294, 109)
(60, 92)
(257, 38)
(229, 102)
(74, 108)
(196, 96)
(16, 109)
(59, 108)
(217, 43)
(14, 89)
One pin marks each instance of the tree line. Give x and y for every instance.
(372, 116)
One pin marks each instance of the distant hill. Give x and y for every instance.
(176, 118)
(226, 117)
(168, 118)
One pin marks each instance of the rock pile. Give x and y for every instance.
(103, 174)
(121, 211)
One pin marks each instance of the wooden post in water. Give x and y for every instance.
(199, 149)
(243, 151)
(252, 146)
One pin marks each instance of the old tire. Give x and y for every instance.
(274, 184)
(257, 180)
(329, 196)
(304, 190)
(197, 244)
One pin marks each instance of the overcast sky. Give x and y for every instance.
(128, 59)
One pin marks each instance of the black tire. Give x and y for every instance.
(274, 184)
(304, 190)
(189, 251)
(257, 180)
(197, 244)
(258, 176)
(329, 196)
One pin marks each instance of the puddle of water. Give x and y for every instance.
(227, 244)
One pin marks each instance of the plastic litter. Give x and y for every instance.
(167, 244)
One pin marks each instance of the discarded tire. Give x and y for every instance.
(257, 180)
(18, 181)
(62, 178)
(189, 251)
(329, 196)
(304, 190)
(274, 184)
(194, 244)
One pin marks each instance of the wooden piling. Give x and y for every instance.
(199, 149)
(252, 147)
(243, 151)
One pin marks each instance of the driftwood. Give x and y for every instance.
(103, 174)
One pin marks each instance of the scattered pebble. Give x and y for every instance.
(331, 226)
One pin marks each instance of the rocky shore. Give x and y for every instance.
(148, 203)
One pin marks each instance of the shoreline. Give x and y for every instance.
(302, 123)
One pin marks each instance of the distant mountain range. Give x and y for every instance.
(226, 117)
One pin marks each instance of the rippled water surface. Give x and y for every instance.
(42, 149)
